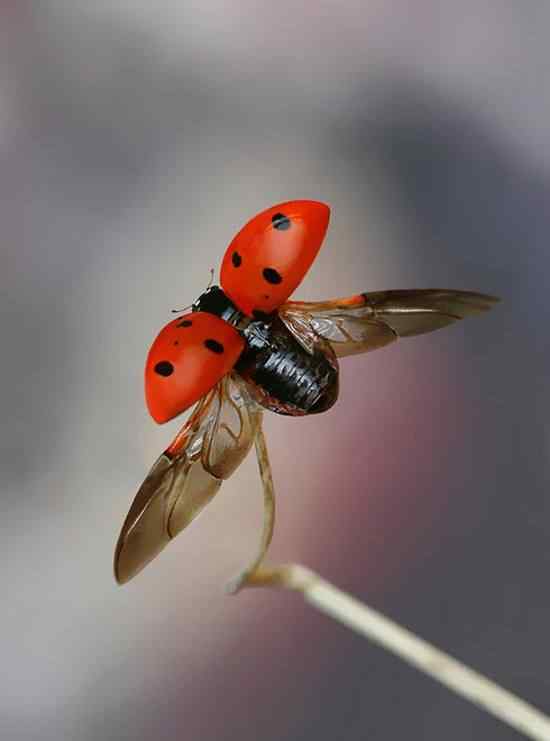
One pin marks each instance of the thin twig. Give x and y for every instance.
(427, 658)
(349, 611)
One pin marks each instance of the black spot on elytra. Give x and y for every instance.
(185, 323)
(272, 276)
(236, 259)
(176, 343)
(164, 368)
(261, 316)
(214, 345)
(280, 222)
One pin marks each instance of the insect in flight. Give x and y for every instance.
(244, 348)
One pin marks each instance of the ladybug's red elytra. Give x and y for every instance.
(245, 348)
(269, 257)
(187, 359)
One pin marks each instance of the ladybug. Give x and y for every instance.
(244, 347)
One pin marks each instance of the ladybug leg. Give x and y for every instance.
(246, 575)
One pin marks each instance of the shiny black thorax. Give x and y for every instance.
(281, 374)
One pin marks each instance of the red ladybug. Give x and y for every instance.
(261, 268)
(243, 348)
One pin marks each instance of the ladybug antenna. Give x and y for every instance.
(178, 311)
(211, 278)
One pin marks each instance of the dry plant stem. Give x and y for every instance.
(419, 653)
(380, 630)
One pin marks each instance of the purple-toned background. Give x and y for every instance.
(135, 139)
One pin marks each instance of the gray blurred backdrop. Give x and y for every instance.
(135, 140)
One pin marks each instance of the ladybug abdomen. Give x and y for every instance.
(283, 377)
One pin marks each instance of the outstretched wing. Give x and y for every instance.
(211, 445)
(370, 320)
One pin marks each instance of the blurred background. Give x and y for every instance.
(135, 140)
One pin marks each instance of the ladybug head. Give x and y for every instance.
(214, 301)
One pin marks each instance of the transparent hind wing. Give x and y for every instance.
(189, 473)
(233, 430)
(368, 321)
(413, 312)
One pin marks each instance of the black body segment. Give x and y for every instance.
(214, 301)
(281, 374)
(284, 377)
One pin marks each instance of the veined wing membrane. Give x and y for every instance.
(368, 321)
(185, 478)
